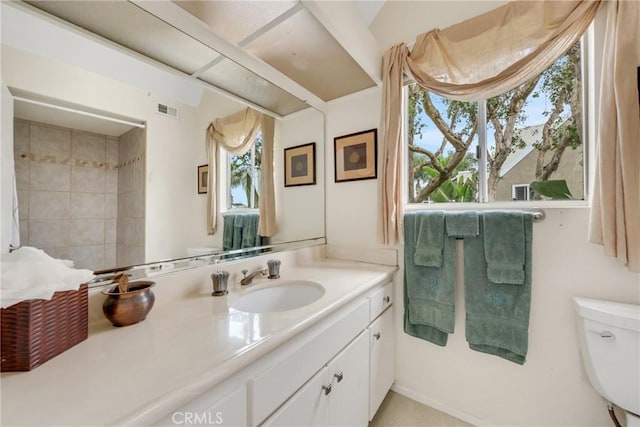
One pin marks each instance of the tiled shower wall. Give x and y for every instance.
(68, 187)
(131, 197)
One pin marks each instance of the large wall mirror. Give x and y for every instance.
(107, 143)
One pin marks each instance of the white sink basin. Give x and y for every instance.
(281, 297)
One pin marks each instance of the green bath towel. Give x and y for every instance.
(497, 315)
(429, 295)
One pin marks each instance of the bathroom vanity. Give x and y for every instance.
(198, 360)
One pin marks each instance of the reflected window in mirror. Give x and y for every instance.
(244, 175)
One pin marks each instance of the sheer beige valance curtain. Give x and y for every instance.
(484, 57)
(236, 134)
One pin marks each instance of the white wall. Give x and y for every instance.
(351, 206)
(301, 210)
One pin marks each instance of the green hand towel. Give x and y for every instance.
(430, 239)
(462, 224)
(504, 243)
(497, 315)
(429, 295)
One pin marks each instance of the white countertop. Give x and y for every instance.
(184, 347)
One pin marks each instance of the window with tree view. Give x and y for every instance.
(244, 173)
(532, 141)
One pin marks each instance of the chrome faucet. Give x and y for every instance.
(247, 279)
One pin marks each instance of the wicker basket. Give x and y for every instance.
(34, 331)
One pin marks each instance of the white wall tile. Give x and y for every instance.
(20, 137)
(110, 231)
(84, 231)
(22, 167)
(48, 232)
(88, 146)
(87, 205)
(90, 257)
(110, 206)
(49, 177)
(49, 205)
(112, 148)
(23, 204)
(88, 179)
(50, 141)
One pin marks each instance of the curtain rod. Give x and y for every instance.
(83, 113)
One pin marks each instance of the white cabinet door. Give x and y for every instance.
(308, 407)
(336, 396)
(349, 372)
(382, 353)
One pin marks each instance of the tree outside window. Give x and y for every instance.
(244, 174)
(532, 134)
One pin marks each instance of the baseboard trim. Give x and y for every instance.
(435, 404)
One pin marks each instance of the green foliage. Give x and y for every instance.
(554, 189)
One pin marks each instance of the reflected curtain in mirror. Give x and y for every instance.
(236, 134)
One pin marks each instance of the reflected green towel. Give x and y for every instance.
(497, 318)
(430, 239)
(504, 242)
(238, 229)
(227, 231)
(250, 237)
(429, 295)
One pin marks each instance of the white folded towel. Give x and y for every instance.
(29, 273)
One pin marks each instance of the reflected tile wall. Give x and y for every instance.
(68, 182)
(130, 226)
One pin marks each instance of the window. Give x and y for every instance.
(489, 150)
(244, 173)
(521, 192)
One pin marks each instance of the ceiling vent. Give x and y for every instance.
(165, 110)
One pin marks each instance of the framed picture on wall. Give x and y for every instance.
(355, 156)
(300, 165)
(203, 178)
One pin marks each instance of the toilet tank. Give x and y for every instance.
(609, 336)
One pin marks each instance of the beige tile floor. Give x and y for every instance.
(399, 411)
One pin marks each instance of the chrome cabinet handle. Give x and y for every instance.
(377, 335)
(339, 376)
(386, 299)
(327, 389)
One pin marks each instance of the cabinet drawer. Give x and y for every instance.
(271, 388)
(380, 300)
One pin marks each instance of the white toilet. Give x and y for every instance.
(610, 347)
